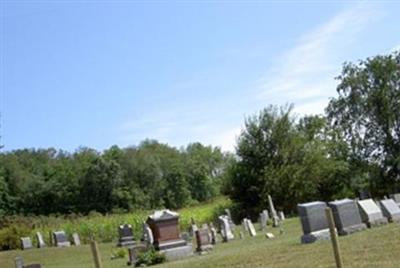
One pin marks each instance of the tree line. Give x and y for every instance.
(353, 148)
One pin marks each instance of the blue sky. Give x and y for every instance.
(98, 73)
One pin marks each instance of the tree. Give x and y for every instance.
(367, 115)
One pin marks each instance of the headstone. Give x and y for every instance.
(40, 240)
(133, 252)
(396, 198)
(250, 227)
(60, 239)
(203, 240)
(231, 223)
(164, 225)
(269, 235)
(193, 227)
(126, 238)
(26, 243)
(281, 215)
(19, 262)
(226, 231)
(263, 220)
(364, 194)
(370, 213)
(147, 234)
(274, 215)
(244, 225)
(213, 232)
(390, 210)
(346, 216)
(313, 221)
(76, 239)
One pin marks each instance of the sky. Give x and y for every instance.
(103, 73)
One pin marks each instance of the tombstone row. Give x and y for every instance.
(349, 216)
(59, 239)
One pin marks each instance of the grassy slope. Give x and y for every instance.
(372, 248)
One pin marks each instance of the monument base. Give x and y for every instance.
(314, 236)
(395, 218)
(352, 229)
(63, 244)
(377, 222)
(171, 244)
(178, 253)
(126, 243)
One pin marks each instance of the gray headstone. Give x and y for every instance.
(396, 198)
(244, 225)
(263, 220)
(252, 230)
(274, 214)
(19, 262)
(390, 210)
(76, 239)
(313, 221)
(226, 231)
(26, 243)
(371, 214)
(281, 215)
(347, 216)
(147, 234)
(125, 236)
(231, 223)
(40, 240)
(60, 239)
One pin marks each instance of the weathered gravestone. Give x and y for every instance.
(396, 198)
(213, 232)
(26, 243)
(76, 239)
(164, 225)
(281, 216)
(314, 222)
(203, 240)
(60, 239)
(390, 210)
(40, 240)
(134, 251)
(371, 214)
(250, 227)
(263, 219)
(274, 215)
(231, 223)
(225, 227)
(19, 263)
(147, 234)
(346, 216)
(244, 225)
(126, 238)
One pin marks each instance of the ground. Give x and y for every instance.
(377, 247)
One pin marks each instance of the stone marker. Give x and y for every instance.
(371, 214)
(396, 198)
(231, 223)
(347, 216)
(313, 221)
(281, 216)
(193, 227)
(133, 252)
(19, 263)
(126, 238)
(250, 227)
(244, 225)
(263, 220)
(203, 240)
(269, 235)
(164, 225)
(364, 194)
(226, 231)
(60, 239)
(274, 215)
(76, 240)
(40, 240)
(390, 210)
(26, 243)
(213, 232)
(147, 234)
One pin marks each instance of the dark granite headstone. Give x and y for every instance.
(26, 243)
(347, 216)
(60, 239)
(390, 210)
(313, 220)
(125, 236)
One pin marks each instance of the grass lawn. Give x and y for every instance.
(379, 247)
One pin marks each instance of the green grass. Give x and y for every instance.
(377, 247)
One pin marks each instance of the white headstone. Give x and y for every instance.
(226, 231)
(40, 240)
(76, 239)
(371, 214)
(390, 210)
(252, 230)
(26, 243)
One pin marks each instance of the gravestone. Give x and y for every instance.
(250, 227)
(193, 227)
(274, 215)
(313, 221)
(346, 216)
(213, 232)
(225, 227)
(147, 234)
(126, 238)
(263, 219)
(26, 243)
(134, 251)
(76, 239)
(269, 235)
(203, 240)
(244, 225)
(390, 210)
(371, 214)
(40, 240)
(164, 225)
(60, 239)
(19, 262)
(231, 223)
(396, 198)
(281, 215)
(364, 194)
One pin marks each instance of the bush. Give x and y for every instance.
(10, 236)
(150, 257)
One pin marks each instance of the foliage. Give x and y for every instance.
(150, 257)
(367, 115)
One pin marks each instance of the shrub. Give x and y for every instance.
(150, 257)
(10, 236)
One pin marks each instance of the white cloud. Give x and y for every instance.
(304, 75)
